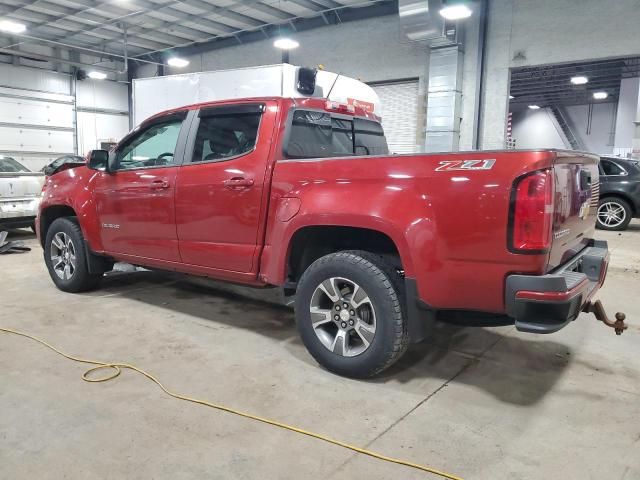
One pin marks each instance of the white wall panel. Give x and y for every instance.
(96, 127)
(35, 95)
(34, 79)
(35, 112)
(31, 140)
(101, 94)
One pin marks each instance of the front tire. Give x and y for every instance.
(613, 214)
(66, 257)
(349, 312)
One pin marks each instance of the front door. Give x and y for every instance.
(135, 199)
(220, 188)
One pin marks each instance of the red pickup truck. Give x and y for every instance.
(303, 194)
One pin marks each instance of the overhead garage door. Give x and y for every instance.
(399, 114)
(36, 115)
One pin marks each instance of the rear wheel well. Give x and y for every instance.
(311, 243)
(621, 197)
(52, 213)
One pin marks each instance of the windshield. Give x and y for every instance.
(319, 135)
(9, 165)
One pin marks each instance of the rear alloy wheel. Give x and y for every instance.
(613, 214)
(349, 312)
(66, 257)
(343, 317)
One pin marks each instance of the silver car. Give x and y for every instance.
(20, 192)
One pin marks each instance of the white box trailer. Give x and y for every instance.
(156, 94)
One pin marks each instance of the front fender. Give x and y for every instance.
(72, 189)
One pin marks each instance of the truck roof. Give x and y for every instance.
(311, 102)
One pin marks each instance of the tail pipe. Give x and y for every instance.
(598, 311)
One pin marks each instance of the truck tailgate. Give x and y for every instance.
(575, 205)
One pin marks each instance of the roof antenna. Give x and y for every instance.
(333, 85)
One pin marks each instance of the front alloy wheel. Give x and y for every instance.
(63, 256)
(343, 317)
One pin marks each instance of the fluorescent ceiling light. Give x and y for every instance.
(600, 95)
(285, 43)
(12, 27)
(177, 62)
(534, 107)
(456, 12)
(579, 80)
(97, 75)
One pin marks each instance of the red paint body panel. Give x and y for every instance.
(219, 226)
(136, 212)
(449, 226)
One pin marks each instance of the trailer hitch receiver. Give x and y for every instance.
(598, 310)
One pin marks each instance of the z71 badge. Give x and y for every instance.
(450, 165)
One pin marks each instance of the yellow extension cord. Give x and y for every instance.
(117, 369)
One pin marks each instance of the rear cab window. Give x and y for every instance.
(319, 134)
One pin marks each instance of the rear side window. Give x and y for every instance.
(610, 168)
(224, 136)
(319, 135)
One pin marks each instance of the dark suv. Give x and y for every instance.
(619, 192)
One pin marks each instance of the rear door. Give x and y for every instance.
(222, 187)
(135, 199)
(575, 205)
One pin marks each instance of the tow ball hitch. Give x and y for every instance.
(598, 310)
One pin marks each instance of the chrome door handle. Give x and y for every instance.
(239, 182)
(159, 184)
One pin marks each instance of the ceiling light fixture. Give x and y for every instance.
(600, 95)
(579, 80)
(534, 107)
(177, 62)
(456, 12)
(511, 97)
(285, 43)
(12, 27)
(97, 75)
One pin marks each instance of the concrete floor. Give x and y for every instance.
(486, 403)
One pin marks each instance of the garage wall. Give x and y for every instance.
(349, 49)
(627, 114)
(372, 50)
(38, 114)
(103, 113)
(524, 33)
(537, 128)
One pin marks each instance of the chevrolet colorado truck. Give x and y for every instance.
(302, 193)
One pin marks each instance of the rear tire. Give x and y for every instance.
(66, 257)
(350, 315)
(614, 214)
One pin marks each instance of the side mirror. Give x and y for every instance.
(98, 160)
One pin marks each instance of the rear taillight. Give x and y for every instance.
(531, 215)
